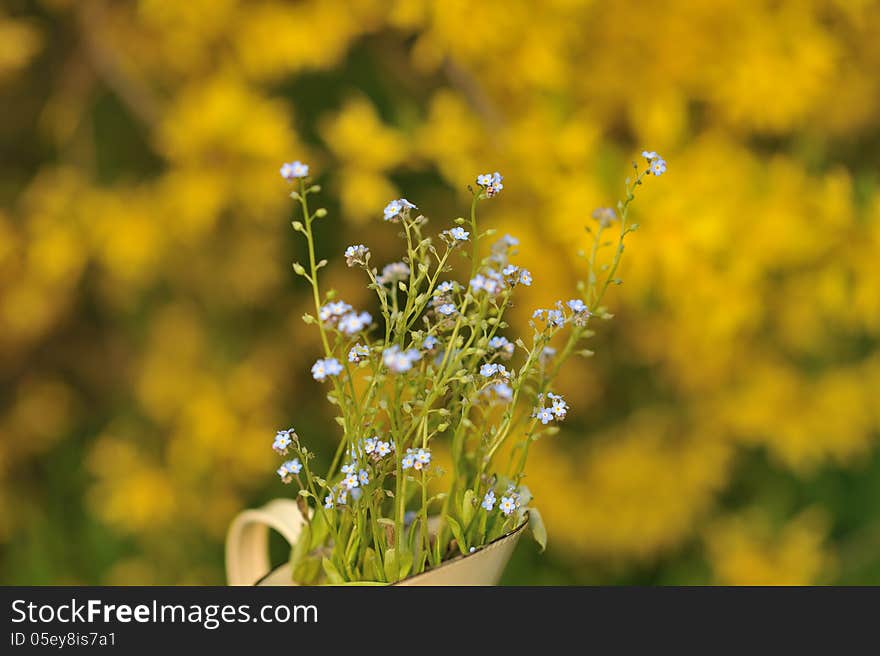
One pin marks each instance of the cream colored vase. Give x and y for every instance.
(247, 552)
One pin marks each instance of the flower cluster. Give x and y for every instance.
(656, 164)
(491, 183)
(394, 272)
(357, 254)
(398, 209)
(442, 370)
(294, 170)
(416, 459)
(398, 360)
(556, 411)
(326, 367)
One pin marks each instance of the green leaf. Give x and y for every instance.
(372, 568)
(319, 530)
(406, 563)
(333, 575)
(301, 548)
(392, 568)
(467, 508)
(539, 531)
(306, 573)
(455, 527)
(353, 544)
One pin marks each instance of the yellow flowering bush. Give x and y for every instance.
(727, 428)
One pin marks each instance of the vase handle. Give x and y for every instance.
(247, 541)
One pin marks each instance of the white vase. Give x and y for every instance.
(247, 557)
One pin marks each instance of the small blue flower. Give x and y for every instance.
(558, 405)
(288, 469)
(552, 317)
(394, 272)
(649, 155)
(459, 234)
(577, 305)
(283, 438)
(605, 216)
(328, 501)
(557, 410)
(430, 343)
(507, 505)
(326, 367)
(350, 482)
(358, 352)
(491, 183)
(364, 477)
(503, 391)
(416, 459)
(445, 287)
(383, 448)
(294, 170)
(398, 360)
(347, 468)
(503, 345)
(499, 342)
(356, 254)
(545, 415)
(488, 370)
(370, 444)
(516, 275)
(423, 459)
(397, 208)
(658, 167)
(447, 309)
(489, 283)
(331, 311)
(489, 500)
(353, 323)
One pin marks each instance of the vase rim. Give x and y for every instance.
(445, 563)
(461, 557)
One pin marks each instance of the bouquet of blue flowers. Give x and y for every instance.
(436, 365)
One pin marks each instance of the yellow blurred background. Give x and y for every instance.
(150, 342)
